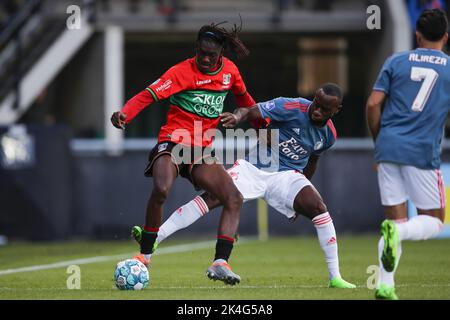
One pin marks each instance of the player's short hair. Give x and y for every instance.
(432, 24)
(225, 38)
(332, 89)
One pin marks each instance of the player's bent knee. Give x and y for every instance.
(315, 209)
(436, 213)
(320, 208)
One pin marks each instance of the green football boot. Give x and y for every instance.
(385, 293)
(136, 233)
(391, 242)
(338, 282)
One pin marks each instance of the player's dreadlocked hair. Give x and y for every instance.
(227, 39)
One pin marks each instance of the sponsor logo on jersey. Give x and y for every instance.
(208, 98)
(208, 104)
(318, 145)
(166, 85)
(202, 82)
(162, 147)
(292, 149)
(296, 130)
(204, 103)
(226, 79)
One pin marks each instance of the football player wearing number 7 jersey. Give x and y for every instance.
(414, 88)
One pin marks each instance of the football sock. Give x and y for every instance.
(148, 240)
(220, 261)
(224, 246)
(183, 217)
(328, 242)
(388, 277)
(384, 276)
(420, 227)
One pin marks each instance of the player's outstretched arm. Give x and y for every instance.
(231, 120)
(373, 112)
(131, 109)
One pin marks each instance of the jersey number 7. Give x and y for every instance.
(429, 77)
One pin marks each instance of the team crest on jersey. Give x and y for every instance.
(162, 147)
(268, 105)
(226, 79)
(318, 145)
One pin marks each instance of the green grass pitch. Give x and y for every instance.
(280, 268)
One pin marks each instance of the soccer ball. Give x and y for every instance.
(131, 274)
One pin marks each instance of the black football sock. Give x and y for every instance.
(149, 236)
(224, 246)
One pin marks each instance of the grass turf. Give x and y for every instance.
(281, 268)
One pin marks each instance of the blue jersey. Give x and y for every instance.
(417, 86)
(298, 138)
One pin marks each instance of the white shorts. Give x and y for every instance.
(279, 189)
(398, 183)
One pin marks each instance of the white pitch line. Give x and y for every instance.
(223, 287)
(173, 249)
(299, 286)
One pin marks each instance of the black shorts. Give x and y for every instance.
(185, 158)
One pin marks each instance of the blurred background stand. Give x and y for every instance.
(85, 177)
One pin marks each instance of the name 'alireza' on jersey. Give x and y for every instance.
(417, 85)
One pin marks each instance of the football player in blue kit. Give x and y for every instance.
(305, 131)
(414, 88)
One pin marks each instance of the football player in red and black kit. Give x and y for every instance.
(196, 89)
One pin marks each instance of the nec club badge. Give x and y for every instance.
(226, 79)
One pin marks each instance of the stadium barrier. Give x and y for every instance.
(36, 189)
(53, 188)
